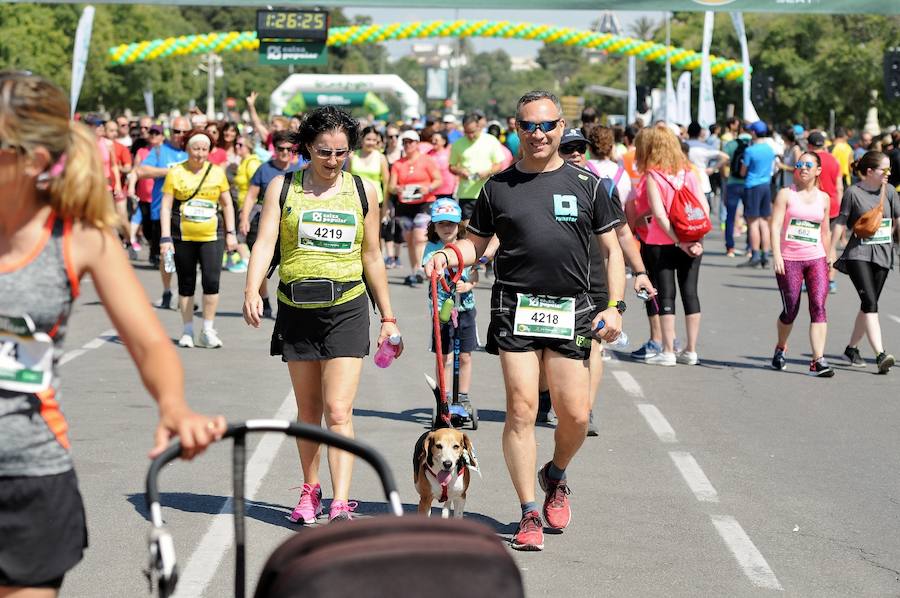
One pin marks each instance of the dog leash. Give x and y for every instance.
(455, 275)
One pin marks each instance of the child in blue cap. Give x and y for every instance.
(442, 231)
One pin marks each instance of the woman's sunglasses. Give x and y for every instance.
(325, 152)
(800, 165)
(545, 126)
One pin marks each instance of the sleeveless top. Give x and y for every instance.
(369, 168)
(322, 238)
(36, 297)
(801, 233)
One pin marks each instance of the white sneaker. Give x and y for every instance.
(662, 358)
(186, 341)
(209, 339)
(687, 358)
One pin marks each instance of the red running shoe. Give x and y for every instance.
(557, 511)
(531, 533)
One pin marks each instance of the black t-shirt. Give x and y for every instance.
(546, 224)
(598, 272)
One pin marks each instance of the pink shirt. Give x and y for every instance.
(801, 233)
(448, 179)
(664, 182)
(144, 187)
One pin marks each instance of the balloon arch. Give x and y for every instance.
(235, 41)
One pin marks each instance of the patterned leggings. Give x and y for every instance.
(815, 274)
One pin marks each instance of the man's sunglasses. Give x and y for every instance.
(545, 126)
(180, 132)
(285, 148)
(326, 152)
(155, 133)
(571, 148)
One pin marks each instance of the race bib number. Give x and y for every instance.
(198, 210)
(26, 356)
(546, 317)
(882, 235)
(803, 231)
(410, 194)
(324, 230)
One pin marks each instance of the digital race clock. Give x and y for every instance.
(292, 24)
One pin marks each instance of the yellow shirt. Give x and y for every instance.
(844, 154)
(197, 218)
(243, 175)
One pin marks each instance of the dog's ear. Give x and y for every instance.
(429, 459)
(469, 454)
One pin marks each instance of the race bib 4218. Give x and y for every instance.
(543, 316)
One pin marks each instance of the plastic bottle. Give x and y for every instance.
(619, 343)
(169, 261)
(446, 310)
(387, 351)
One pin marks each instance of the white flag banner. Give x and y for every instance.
(148, 102)
(671, 106)
(737, 18)
(80, 54)
(632, 90)
(706, 104)
(683, 99)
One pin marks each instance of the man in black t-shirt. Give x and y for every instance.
(546, 214)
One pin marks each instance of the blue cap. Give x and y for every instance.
(759, 127)
(798, 130)
(446, 210)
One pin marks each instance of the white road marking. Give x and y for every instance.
(745, 552)
(657, 422)
(694, 476)
(894, 318)
(106, 336)
(217, 540)
(628, 383)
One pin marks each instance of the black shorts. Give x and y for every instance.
(42, 529)
(501, 335)
(151, 229)
(322, 333)
(412, 215)
(468, 338)
(600, 301)
(468, 208)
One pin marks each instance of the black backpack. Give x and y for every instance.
(738, 157)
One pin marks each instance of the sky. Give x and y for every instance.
(563, 18)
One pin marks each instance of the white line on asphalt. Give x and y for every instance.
(894, 318)
(217, 540)
(104, 337)
(657, 422)
(745, 552)
(628, 383)
(694, 476)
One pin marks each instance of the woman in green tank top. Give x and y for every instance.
(327, 242)
(369, 163)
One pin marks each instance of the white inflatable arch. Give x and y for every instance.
(346, 83)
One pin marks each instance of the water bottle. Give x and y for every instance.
(169, 261)
(446, 311)
(387, 351)
(619, 343)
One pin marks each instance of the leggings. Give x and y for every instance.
(815, 274)
(869, 279)
(667, 262)
(209, 255)
(150, 228)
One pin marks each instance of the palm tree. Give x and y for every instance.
(643, 28)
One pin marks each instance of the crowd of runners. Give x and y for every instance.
(560, 217)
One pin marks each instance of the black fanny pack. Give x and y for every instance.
(316, 290)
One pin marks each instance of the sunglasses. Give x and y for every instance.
(800, 165)
(285, 148)
(239, 144)
(326, 152)
(545, 126)
(392, 136)
(10, 147)
(179, 132)
(405, 141)
(145, 128)
(571, 148)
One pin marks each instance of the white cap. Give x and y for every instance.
(408, 135)
(449, 118)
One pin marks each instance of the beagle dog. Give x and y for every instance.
(441, 463)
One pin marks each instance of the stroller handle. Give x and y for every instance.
(298, 430)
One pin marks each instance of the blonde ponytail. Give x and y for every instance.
(80, 192)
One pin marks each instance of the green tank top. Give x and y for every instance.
(322, 238)
(369, 168)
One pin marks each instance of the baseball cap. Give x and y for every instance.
(94, 121)
(816, 139)
(572, 135)
(156, 129)
(409, 135)
(758, 127)
(446, 210)
(798, 130)
(449, 118)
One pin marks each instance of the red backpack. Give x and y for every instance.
(686, 214)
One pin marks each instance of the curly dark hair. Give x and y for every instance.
(324, 120)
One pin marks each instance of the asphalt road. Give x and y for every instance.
(724, 479)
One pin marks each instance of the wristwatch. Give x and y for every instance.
(619, 305)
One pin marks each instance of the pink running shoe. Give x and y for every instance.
(310, 505)
(341, 510)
